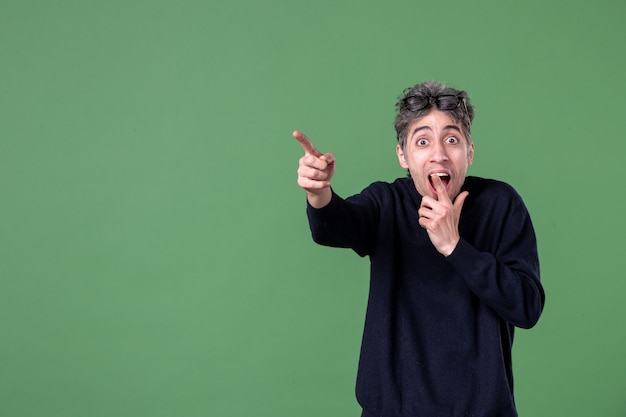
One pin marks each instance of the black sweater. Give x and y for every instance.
(438, 330)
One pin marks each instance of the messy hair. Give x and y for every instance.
(417, 101)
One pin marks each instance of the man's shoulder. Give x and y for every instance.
(383, 193)
(491, 191)
(489, 185)
(399, 186)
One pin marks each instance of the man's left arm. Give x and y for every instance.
(508, 279)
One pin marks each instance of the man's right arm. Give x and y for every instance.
(333, 220)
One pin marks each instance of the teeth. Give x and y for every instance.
(439, 174)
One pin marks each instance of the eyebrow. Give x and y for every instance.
(426, 127)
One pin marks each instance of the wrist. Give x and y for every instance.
(319, 199)
(450, 248)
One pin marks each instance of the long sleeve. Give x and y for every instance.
(346, 223)
(511, 289)
(503, 271)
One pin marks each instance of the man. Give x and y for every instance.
(454, 266)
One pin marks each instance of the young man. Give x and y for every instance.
(454, 266)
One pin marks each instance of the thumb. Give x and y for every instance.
(329, 158)
(459, 201)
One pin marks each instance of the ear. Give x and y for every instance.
(470, 155)
(401, 157)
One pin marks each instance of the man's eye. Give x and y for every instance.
(452, 139)
(422, 142)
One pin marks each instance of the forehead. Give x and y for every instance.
(433, 120)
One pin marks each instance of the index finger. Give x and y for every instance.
(440, 188)
(306, 143)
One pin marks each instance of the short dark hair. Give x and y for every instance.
(433, 94)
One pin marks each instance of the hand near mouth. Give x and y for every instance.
(440, 217)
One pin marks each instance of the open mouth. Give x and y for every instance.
(445, 179)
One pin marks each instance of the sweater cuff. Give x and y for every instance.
(328, 207)
(464, 254)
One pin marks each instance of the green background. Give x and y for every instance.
(156, 259)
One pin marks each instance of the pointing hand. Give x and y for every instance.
(315, 170)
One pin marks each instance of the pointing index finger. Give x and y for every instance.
(306, 143)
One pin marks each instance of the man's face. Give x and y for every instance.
(435, 145)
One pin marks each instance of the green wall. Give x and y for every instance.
(155, 257)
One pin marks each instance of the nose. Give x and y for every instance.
(439, 153)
